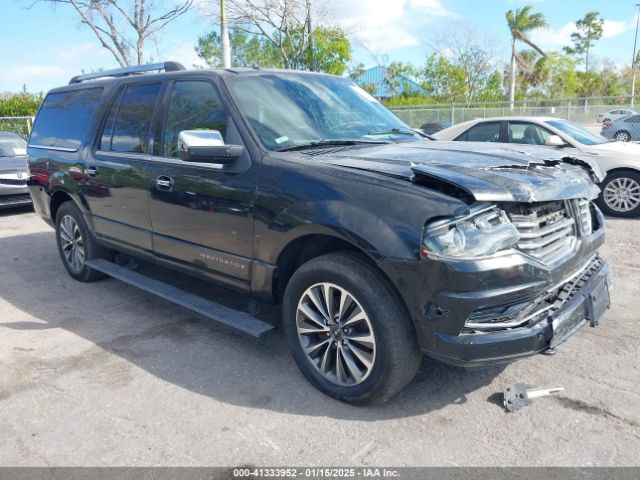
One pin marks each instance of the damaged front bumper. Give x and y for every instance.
(581, 301)
(496, 310)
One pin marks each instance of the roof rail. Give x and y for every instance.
(123, 72)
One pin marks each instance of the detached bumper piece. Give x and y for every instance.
(557, 315)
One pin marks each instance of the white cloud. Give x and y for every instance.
(382, 27)
(183, 52)
(560, 37)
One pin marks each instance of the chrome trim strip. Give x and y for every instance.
(57, 149)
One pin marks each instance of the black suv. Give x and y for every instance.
(301, 188)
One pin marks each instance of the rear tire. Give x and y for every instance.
(622, 136)
(348, 331)
(620, 194)
(76, 244)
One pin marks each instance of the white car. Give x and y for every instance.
(620, 194)
(615, 114)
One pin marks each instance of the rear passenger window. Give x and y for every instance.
(64, 118)
(128, 125)
(483, 132)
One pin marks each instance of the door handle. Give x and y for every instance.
(91, 171)
(165, 183)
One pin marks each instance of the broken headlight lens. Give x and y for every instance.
(485, 231)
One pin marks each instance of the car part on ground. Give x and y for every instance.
(380, 244)
(517, 396)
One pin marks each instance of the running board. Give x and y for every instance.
(228, 316)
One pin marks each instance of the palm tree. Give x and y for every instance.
(521, 21)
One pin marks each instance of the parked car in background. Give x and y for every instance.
(14, 171)
(625, 129)
(615, 114)
(620, 195)
(430, 128)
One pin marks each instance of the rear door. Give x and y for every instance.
(117, 174)
(201, 214)
(483, 132)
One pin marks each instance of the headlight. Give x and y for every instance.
(485, 231)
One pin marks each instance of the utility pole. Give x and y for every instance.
(224, 37)
(633, 61)
(309, 37)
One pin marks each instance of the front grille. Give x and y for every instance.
(11, 181)
(547, 230)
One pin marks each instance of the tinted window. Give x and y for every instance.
(527, 133)
(107, 131)
(193, 106)
(634, 119)
(64, 118)
(483, 132)
(130, 130)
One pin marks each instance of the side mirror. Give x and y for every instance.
(554, 141)
(206, 146)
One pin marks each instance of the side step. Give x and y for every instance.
(232, 318)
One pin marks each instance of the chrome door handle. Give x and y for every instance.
(91, 171)
(165, 183)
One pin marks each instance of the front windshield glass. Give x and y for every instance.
(290, 110)
(577, 132)
(12, 146)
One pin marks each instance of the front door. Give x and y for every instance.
(116, 175)
(201, 214)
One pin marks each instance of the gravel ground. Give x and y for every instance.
(104, 374)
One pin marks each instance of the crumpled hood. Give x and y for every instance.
(487, 171)
(10, 166)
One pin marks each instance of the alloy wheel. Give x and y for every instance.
(72, 243)
(623, 137)
(336, 334)
(622, 194)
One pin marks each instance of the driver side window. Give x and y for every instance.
(527, 133)
(194, 105)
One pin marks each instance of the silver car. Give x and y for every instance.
(14, 171)
(620, 190)
(615, 114)
(625, 129)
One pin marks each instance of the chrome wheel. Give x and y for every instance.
(622, 194)
(622, 137)
(336, 334)
(72, 243)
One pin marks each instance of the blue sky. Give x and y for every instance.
(44, 46)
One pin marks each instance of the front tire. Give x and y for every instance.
(348, 331)
(620, 194)
(76, 245)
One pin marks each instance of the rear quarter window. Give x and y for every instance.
(65, 117)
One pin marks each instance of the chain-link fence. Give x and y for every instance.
(19, 125)
(581, 110)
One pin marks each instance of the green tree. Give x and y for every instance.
(521, 21)
(247, 50)
(329, 51)
(561, 78)
(531, 74)
(443, 80)
(589, 31)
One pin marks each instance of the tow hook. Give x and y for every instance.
(517, 396)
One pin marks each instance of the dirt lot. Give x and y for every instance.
(104, 374)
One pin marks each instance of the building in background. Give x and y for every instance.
(381, 84)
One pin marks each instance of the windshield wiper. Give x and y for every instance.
(393, 131)
(330, 143)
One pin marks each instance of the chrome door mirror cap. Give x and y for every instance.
(555, 141)
(199, 138)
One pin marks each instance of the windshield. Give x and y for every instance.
(12, 147)
(577, 132)
(289, 110)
